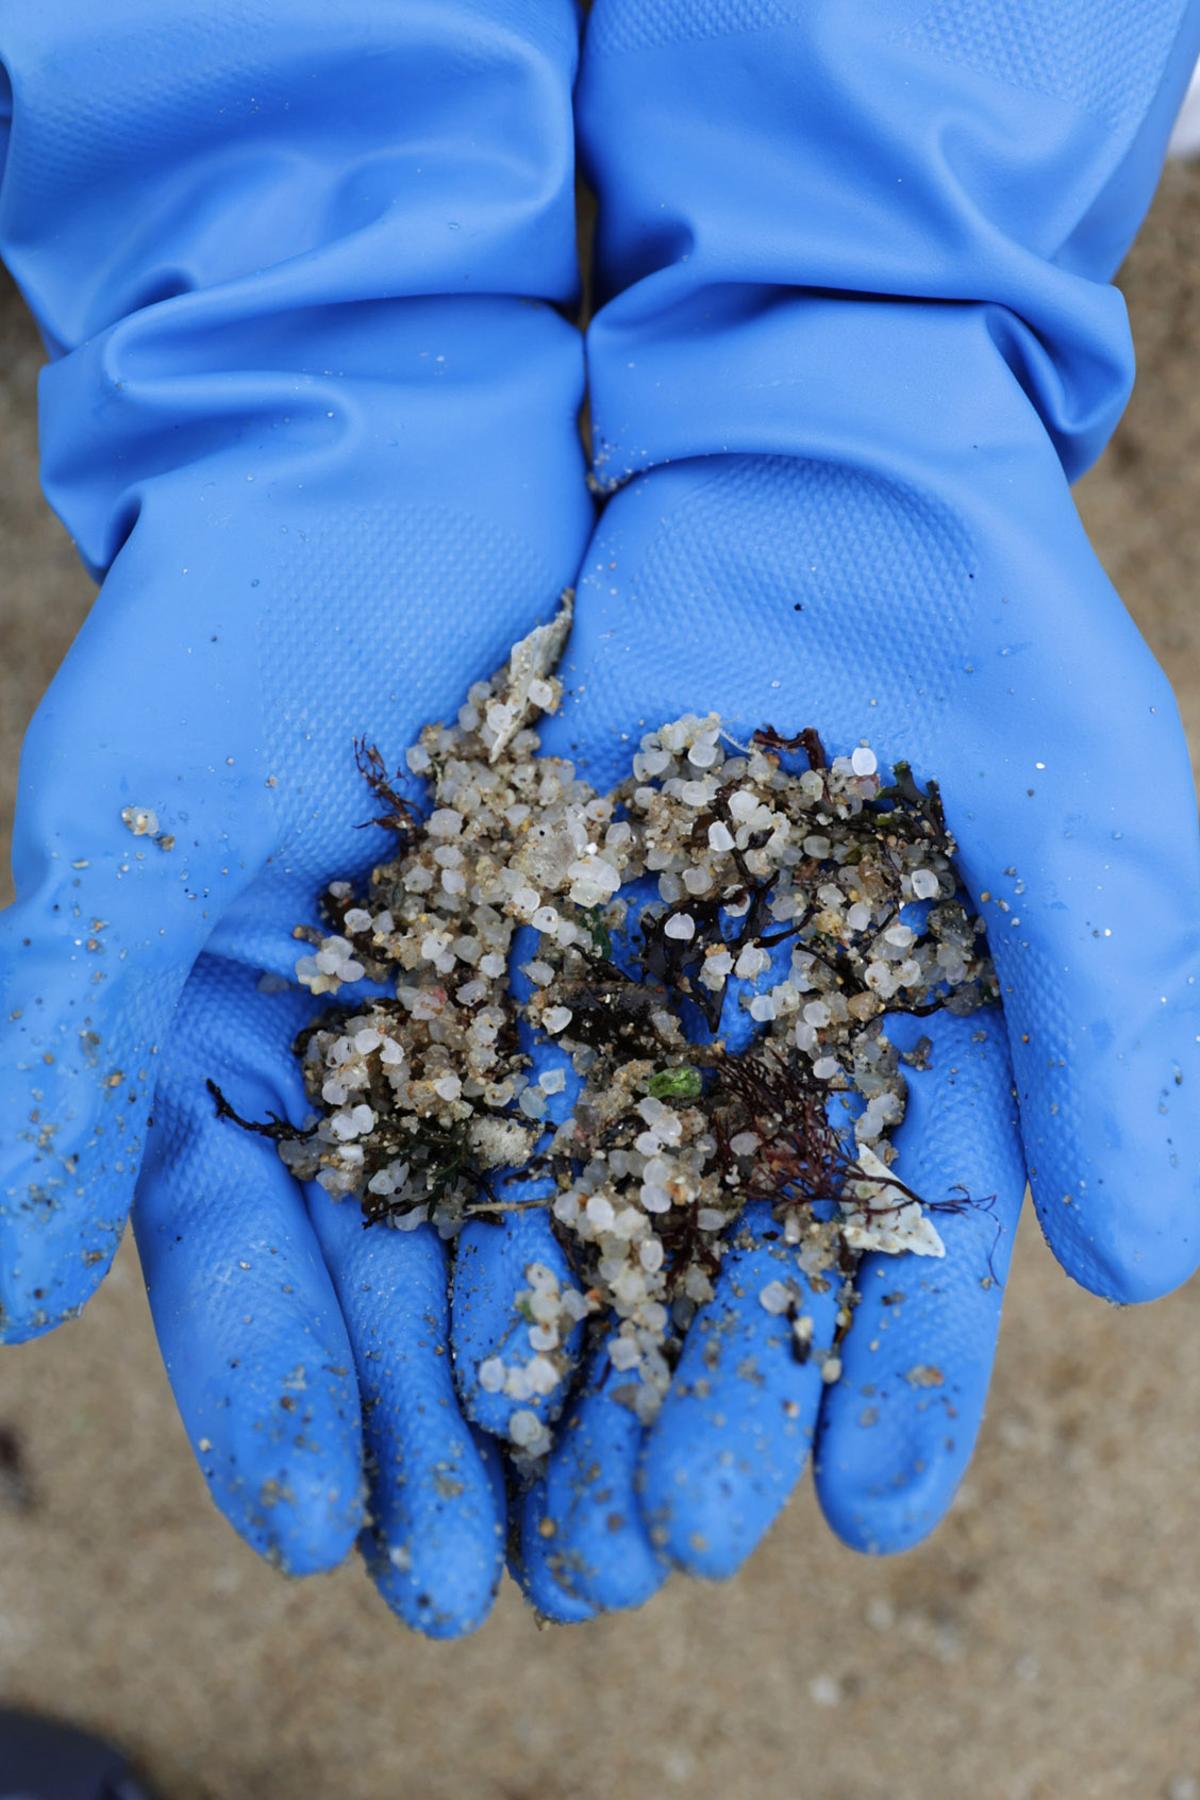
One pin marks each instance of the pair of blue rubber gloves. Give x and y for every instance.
(305, 276)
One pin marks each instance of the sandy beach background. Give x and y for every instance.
(1044, 1646)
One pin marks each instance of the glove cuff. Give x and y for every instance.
(769, 169)
(888, 384)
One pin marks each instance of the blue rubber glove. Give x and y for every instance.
(312, 419)
(859, 337)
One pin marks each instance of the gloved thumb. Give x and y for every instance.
(138, 821)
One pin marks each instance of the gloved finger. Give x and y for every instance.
(507, 1361)
(247, 1319)
(435, 1502)
(1094, 929)
(434, 1540)
(581, 1524)
(514, 1345)
(899, 1428)
(538, 1577)
(122, 861)
(606, 1539)
(510, 1340)
(737, 1424)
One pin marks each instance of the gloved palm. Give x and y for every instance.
(1082, 1085)
(322, 449)
(856, 516)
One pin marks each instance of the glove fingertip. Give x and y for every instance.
(882, 1512)
(442, 1580)
(710, 1511)
(444, 1616)
(622, 1572)
(434, 1537)
(546, 1577)
(718, 1469)
(735, 1430)
(292, 1487)
(1124, 1264)
(899, 1427)
(65, 1188)
(37, 1301)
(591, 1515)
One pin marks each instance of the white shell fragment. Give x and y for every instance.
(887, 1220)
(529, 687)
